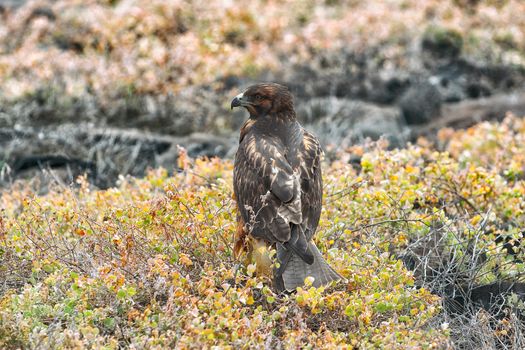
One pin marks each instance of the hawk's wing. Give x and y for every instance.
(310, 155)
(280, 204)
(267, 188)
(307, 158)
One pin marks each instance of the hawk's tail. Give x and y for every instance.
(294, 270)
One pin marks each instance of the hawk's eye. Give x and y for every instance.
(258, 97)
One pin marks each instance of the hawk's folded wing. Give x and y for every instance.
(268, 190)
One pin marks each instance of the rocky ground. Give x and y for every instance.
(343, 99)
(344, 95)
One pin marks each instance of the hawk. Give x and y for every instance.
(278, 189)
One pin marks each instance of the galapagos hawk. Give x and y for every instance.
(278, 189)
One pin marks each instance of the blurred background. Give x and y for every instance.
(109, 87)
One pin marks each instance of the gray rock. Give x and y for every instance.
(70, 150)
(344, 122)
(442, 42)
(469, 112)
(421, 103)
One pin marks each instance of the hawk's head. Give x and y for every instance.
(265, 98)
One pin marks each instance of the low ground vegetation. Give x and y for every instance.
(149, 263)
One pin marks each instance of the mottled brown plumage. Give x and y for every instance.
(278, 186)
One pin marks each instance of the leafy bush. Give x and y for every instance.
(150, 262)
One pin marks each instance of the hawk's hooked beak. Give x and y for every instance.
(237, 101)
